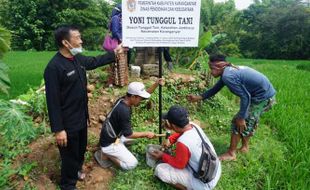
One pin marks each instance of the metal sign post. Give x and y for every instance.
(158, 23)
(160, 73)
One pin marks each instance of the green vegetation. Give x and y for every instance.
(277, 29)
(273, 29)
(5, 37)
(290, 120)
(25, 70)
(279, 154)
(34, 22)
(17, 131)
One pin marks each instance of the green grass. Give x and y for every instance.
(290, 120)
(279, 154)
(26, 70)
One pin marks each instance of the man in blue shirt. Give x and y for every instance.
(256, 96)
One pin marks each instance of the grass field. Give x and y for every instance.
(26, 70)
(290, 120)
(279, 156)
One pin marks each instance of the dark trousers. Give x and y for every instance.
(167, 54)
(129, 56)
(72, 158)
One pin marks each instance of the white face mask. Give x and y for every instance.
(75, 51)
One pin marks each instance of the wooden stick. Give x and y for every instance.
(160, 135)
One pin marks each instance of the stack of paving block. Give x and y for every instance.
(120, 70)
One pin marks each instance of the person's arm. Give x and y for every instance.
(124, 122)
(181, 158)
(52, 91)
(152, 88)
(215, 89)
(174, 137)
(116, 28)
(209, 93)
(245, 101)
(171, 140)
(136, 135)
(239, 89)
(90, 62)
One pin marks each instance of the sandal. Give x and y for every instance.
(103, 163)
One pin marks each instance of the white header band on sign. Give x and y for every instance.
(160, 23)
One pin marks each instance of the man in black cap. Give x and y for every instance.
(176, 169)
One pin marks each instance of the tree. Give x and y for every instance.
(33, 21)
(223, 20)
(276, 29)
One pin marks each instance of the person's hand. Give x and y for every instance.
(194, 98)
(157, 154)
(161, 81)
(149, 135)
(241, 125)
(166, 143)
(61, 138)
(120, 49)
(166, 124)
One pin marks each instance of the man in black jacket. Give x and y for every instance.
(66, 95)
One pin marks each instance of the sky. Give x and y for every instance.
(240, 4)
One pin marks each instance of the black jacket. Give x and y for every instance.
(66, 90)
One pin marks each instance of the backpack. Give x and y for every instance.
(208, 163)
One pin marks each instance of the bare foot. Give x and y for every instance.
(243, 150)
(228, 157)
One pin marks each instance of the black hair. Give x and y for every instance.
(119, 7)
(217, 57)
(63, 33)
(132, 95)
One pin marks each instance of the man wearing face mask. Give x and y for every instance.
(66, 96)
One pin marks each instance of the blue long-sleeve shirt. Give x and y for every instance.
(116, 27)
(250, 85)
